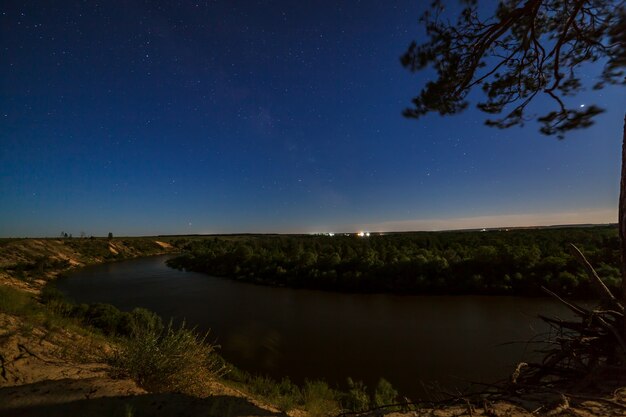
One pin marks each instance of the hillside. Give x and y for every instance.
(29, 263)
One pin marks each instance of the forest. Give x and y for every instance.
(513, 262)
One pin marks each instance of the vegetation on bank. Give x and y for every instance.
(518, 261)
(315, 396)
(159, 358)
(176, 358)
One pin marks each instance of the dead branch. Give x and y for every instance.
(597, 284)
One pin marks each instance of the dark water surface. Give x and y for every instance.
(323, 335)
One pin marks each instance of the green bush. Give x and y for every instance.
(143, 320)
(104, 317)
(356, 399)
(25, 305)
(172, 359)
(284, 394)
(384, 394)
(320, 399)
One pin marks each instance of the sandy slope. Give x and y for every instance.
(57, 372)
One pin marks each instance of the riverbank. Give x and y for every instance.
(29, 264)
(52, 365)
(503, 262)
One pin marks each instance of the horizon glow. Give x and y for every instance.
(235, 117)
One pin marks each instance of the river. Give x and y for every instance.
(408, 340)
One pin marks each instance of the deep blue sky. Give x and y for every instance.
(147, 117)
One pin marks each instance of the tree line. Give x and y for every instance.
(516, 262)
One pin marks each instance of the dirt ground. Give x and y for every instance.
(58, 372)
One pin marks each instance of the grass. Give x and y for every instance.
(33, 313)
(314, 396)
(20, 303)
(38, 323)
(171, 359)
(320, 400)
(283, 394)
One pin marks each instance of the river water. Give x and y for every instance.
(408, 340)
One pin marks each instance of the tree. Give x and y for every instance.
(526, 48)
(110, 236)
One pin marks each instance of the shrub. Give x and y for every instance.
(138, 320)
(384, 394)
(104, 317)
(289, 395)
(320, 399)
(172, 359)
(144, 320)
(356, 399)
(284, 394)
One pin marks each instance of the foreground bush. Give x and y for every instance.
(172, 359)
(320, 399)
(104, 317)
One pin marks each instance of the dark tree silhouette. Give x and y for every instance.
(526, 48)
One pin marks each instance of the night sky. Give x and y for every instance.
(147, 117)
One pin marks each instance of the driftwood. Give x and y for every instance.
(592, 347)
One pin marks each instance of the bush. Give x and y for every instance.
(144, 320)
(384, 394)
(172, 359)
(320, 399)
(104, 317)
(284, 394)
(356, 399)
(138, 320)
